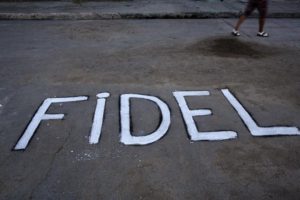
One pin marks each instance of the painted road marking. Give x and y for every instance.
(98, 118)
(254, 129)
(126, 136)
(190, 123)
(41, 115)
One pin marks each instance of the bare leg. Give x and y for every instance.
(261, 24)
(240, 21)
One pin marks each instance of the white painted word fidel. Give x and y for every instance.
(126, 136)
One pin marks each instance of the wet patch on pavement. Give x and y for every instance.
(232, 48)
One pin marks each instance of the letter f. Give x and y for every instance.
(41, 115)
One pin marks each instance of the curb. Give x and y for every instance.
(106, 16)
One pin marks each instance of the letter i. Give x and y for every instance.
(98, 118)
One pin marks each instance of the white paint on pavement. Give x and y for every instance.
(98, 118)
(190, 123)
(126, 136)
(254, 129)
(41, 115)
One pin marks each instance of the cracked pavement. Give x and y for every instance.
(42, 59)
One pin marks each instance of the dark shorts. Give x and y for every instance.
(261, 5)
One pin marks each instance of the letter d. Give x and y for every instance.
(126, 136)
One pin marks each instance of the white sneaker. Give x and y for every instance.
(262, 34)
(235, 33)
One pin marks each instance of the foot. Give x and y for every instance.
(262, 34)
(235, 33)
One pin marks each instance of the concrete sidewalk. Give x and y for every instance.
(139, 9)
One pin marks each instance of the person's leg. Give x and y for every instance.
(249, 9)
(262, 9)
(261, 24)
(239, 22)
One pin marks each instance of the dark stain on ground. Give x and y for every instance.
(232, 48)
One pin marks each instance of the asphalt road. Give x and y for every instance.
(47, 59)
